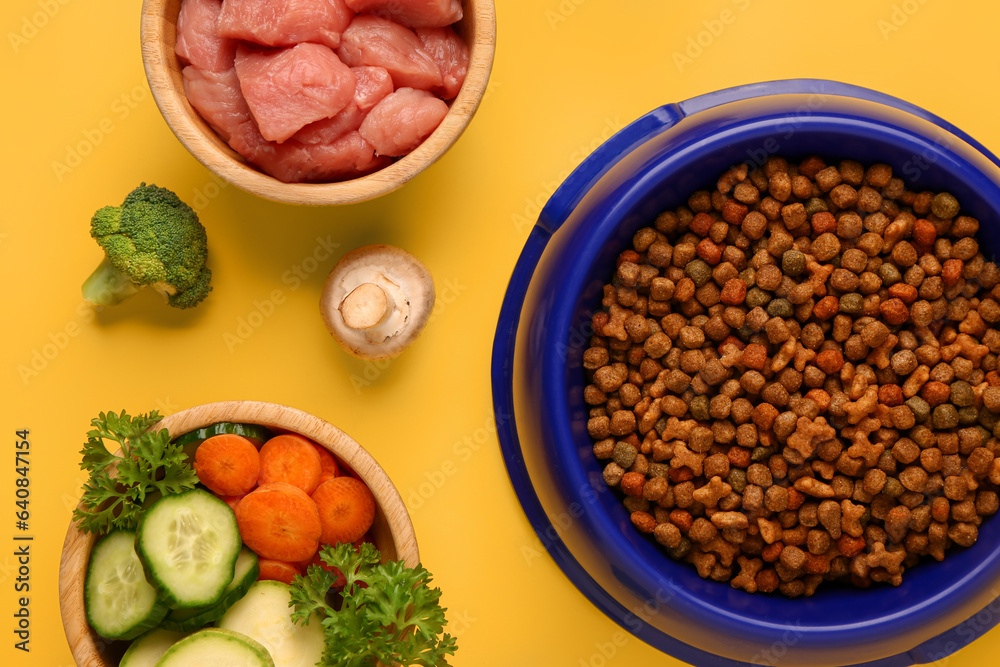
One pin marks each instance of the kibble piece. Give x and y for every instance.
(944, 205)
(793, 263)
(844, 196)
(624, 454)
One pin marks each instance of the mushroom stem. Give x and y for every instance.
(365, 307)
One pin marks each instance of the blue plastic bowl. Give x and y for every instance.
(653, 165)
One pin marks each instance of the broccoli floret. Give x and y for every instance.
(152, 240)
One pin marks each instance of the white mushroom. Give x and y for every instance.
(377, 300)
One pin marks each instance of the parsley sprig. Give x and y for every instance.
(395, 618)
(113, 497)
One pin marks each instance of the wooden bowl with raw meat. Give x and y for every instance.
(391, 530)
(398, 81)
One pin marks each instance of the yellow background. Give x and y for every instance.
(567, 73)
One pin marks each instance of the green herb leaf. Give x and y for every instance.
(395, 618)
(113, 497)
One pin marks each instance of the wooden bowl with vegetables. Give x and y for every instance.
(147, 511)
(401, 138)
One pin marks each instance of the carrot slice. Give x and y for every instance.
(346, 509)
(277, 570)
(327, 464)
(291, 459)
(279, 521)
(227, 464)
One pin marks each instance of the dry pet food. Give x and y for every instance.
(793, 378)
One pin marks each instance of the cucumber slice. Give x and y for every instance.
(186, 620)
(213, 647)
(121, 603)
(147, 649)
(188, 544)
(265, 615)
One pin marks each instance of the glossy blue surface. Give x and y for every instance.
(650, 166)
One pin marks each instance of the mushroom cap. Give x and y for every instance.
(407, 279)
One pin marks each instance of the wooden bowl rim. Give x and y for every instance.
(201, 141)
(76, 548)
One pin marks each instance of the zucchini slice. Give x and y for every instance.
(213, 647)
(186, 620)
(120, 602)
(147, 649)
(265, 615)
(188, 544)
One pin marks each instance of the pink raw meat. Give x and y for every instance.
(285, 22)
(346, 157)
(371, 40)
(216, 96)
(293, 162)
(329, 130)
(374, 83)
(197, 42)
(412, 13)
(450, 53)
(287, 89)
(401, 121)
(247, 141)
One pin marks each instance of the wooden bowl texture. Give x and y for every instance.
(163, 71)
(392, 531)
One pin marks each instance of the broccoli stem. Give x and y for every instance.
(107, 286)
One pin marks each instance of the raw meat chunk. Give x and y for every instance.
(371, 40)
(401, 121)
(330, 129)
(217, 97)
(450, 53)
(293, 162)
(285, 22)
(347, 156)
(374, 83)
(247, 141)
(413, 13)
(287, 89)
(197, 42)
